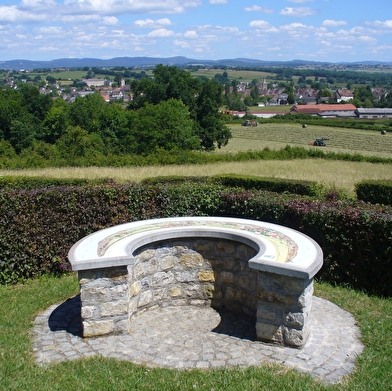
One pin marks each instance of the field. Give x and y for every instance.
(333, 173)
(277, 136)
(241, 75)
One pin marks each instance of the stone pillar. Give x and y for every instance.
(104, 294)
(283, 309)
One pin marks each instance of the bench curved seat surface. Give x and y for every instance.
(279, 249)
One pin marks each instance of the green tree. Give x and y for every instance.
(55, 122)
(77, 142)
(211, 128)
(113, 129)
(166, 125)
(22, 134)
(86, 111)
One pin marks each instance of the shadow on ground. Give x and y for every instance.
(67, 317)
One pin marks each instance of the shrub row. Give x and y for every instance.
(36, 159)
(22, 182)
(376, 192)
(38, 226)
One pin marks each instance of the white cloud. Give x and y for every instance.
(14, 15)
(257, 8)
(333, 23)
(51, 30)
(386, 25)
(298, 12)
(37, 4)
(153, 24)
(218, 1)
(263, 25)
(110, 20)
(191, 34)
(160, 33)
(117, 7)
(300, 1)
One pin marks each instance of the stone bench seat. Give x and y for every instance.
(258, 268)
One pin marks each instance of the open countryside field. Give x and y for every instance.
(333, 173)
(233, 74)
(277, 136)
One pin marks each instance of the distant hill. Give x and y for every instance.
(151, 61)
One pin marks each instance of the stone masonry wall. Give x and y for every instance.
(202, 272)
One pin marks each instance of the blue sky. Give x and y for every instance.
(320, 30)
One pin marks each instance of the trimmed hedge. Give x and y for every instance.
(22, 182)
(38, 227)
(278, 185)
(376, 192)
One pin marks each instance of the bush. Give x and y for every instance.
(39, 226)
(277, 185)
(376, 192)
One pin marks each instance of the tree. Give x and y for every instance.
(166, 125)
(211, 128)
(76, 143)
(55, 122)
(85, 112)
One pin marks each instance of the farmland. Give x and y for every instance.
(277, 136)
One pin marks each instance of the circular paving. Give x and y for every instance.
(195, 337)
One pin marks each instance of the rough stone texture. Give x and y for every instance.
(199, 272)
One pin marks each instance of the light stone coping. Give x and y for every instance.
(280, 250)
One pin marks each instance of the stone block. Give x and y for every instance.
(226, 277)
(203, 246)
(274, 297)
(135, 288)
(97, 328)
(145, 298)
(114, 308)
(186, 276)
(268, 332)
(191, 260)
(295, 320)
(246, 282)
(145, 255)
(89, 311)
(167, 262)
(139, 270)
(235, 294)
(152, 266)
(209, 291)
(206, 276)
(294, 337)
(226, 247)
(163, 278)
(176, 291)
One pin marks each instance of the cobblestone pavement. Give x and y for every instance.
(194, 337)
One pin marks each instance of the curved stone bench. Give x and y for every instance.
(258, 268)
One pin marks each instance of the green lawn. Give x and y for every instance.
(20, 304)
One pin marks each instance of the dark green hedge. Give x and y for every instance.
(38, 227)
(376, 192)
(278, 185)
(22, 182)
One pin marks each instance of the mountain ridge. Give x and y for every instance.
(19, 64)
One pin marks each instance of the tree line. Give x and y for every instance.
(170, 111)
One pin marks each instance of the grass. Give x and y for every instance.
(20, 304)
(278, 135)
(319, 170)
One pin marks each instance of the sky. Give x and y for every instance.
(278, 30)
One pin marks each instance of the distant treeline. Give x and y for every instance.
(171, 111)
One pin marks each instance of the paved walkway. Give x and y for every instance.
(192, 337)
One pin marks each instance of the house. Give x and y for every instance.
(97, 82)
(326, 110)
(373, 113)
(343, 95)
